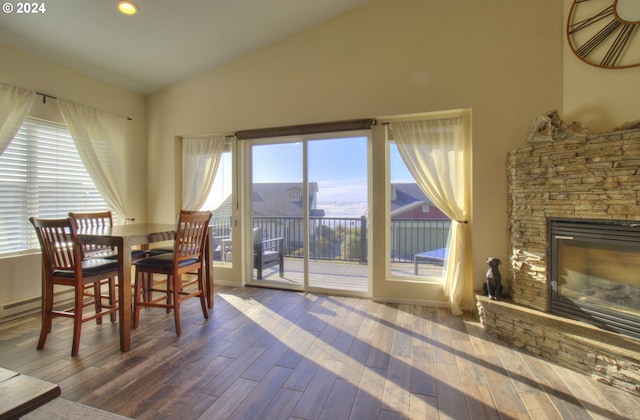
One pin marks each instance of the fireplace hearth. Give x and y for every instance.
(594, 268)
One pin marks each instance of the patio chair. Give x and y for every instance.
(221, 247)
(188, 256)
(63, 265)
(267, 253)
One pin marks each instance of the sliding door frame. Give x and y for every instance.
(246, 225)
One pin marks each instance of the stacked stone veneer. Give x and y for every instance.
(608, 357)
(588, 176)
(585, 176)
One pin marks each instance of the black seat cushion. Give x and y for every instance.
(162, 261)
(269, 256)
(90, 267)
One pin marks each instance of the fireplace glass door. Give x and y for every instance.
(595, 275)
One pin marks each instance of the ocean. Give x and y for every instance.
(343, 209)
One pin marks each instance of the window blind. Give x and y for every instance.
(41, 175)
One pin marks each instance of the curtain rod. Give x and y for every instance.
(227, 136)
(305, 129)
(45, 96)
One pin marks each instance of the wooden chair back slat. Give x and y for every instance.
(92, 221)
(56, 237)
(190, 237)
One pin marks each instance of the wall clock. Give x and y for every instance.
(604, 33)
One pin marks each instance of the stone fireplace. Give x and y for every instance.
(583, 177)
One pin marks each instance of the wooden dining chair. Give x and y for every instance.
(188, 256)
(63, 265)
(97, 221)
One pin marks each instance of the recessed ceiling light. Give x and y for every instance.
(127, 7)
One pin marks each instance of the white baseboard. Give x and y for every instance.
(26, 307)
(419, 302)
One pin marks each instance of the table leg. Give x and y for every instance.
(209, 268)
(124, 293)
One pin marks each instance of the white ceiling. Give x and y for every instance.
(167, 41)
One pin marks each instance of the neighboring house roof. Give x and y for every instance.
(277, 199)
(223, 212)
(407, 207)
(408, 200)
(404, 194)
(282, 199)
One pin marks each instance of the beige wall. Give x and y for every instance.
(502, 60)
(599, 99)
(30, 72)
(20, 276)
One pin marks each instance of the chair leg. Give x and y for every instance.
(137, 292)
(46, 316)
(203, 302)
(141, 286)
(281, 266)
(147, 284)
(175, 296)
(112, 297)
(97, 300)
(77, 321)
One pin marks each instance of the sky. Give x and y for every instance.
(338, 165)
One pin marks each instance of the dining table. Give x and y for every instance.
(20, 394)
(124, 238)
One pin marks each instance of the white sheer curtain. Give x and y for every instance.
(15, 104)
(435, 152)
(100, 140)
(200, 160)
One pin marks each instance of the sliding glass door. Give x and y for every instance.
(277, 214)
(337, 236)
(309, 204)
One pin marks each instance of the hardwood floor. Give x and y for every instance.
(272, 354)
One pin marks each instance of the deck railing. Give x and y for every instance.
(345, 238)
(414, 236)
(330, 238)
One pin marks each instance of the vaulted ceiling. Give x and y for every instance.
(165, 42)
